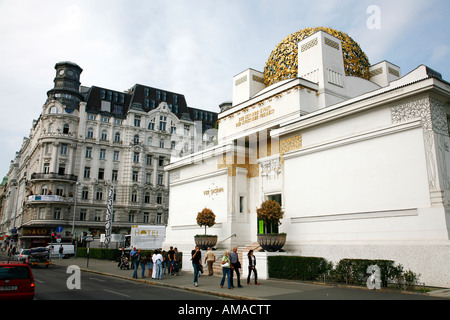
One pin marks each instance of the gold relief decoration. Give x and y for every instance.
(290, 144)
(283, 61)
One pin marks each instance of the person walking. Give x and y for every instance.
(252, 267)
(209, 260)
(122, 257)
(226, 270)
(235, 266)
(196, 263)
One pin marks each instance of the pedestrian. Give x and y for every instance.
(154, 264)
(135, 258)
(226, 269)
(252, 267)
(60, 251)
(196, 263)
(165, 260)
(122, 257)
(149, 264)
(159, 264)
(171, 260)
(143, 263)
(235, 266)
(209, 260)
(178, 259)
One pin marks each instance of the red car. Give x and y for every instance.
(16, 281)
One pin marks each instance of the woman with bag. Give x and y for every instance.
(226, 269)
(252, 267)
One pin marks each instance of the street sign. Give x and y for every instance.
(59, 229)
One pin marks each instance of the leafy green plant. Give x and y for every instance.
(271, 214)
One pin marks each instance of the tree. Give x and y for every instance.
(271, 214)
(206, 218)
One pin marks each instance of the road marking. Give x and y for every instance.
(115, 292)
(39, 281)
(101, 280)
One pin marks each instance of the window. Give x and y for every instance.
(61, 169)
(161, 143)
(60, 191)
(241, 204)
(136, 139)
(97, 215)
(91, 117)
(41, 213)
(102, 153)
(148, 178)
(159, 198)
(116, 156)
(147, 197)
(63, 149)
(90, 133)
(175, 98)
(137, 120)
(150, 141)
(131, 217)
(83, 215)
(44, 190)
(56, 213)
(134, 196)
(104, 119)
(162, 123)
(135, 176)
(149, 159)
(160, 179)
(66, 129)
(85, 193)
(172, 145)
(146, 217)
(99, 194)
(136, 157)
(87, 172)
(101, 173)
(53, 110)
(173, 128)
(114, 175)
(159, 218)
(46, 167)
(104, 135)
(186, 130)
(117, 137)
(161, 161)
(88, 152)
(151, 124)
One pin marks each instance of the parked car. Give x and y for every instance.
(16, 281)
(68, 250)
(22, 255)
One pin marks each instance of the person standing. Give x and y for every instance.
(252, 267)
(61, 250)
(209, 260)
(171, 260)
(159, 264)
(196, 263)
(235, 266)
(135, 258)
(226, 270)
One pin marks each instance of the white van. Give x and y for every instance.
(68, 250)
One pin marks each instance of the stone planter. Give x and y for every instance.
(272, 242)
(204, 241)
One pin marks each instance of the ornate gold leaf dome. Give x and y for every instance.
(283, 61)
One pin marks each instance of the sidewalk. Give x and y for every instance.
(268, 290)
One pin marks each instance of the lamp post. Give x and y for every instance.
(74, 208)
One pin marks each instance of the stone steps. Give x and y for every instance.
(242, 253)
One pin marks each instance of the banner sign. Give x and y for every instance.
(109, 213)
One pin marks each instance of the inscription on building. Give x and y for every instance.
(255, 115)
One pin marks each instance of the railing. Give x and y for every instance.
(233, 235)
(53, 176)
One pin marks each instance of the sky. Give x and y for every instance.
(191, 47)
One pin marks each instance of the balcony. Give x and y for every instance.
(54, 176)
(49, 198)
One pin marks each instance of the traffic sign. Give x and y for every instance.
(89, 238)
(59, 229)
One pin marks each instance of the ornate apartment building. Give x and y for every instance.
(88, 139)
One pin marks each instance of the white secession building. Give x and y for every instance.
(360, 164)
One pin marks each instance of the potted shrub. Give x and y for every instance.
(271, 214)
(206, 218)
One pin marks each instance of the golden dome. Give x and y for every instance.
(283, 61)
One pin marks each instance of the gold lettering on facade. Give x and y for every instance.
(255, 115)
